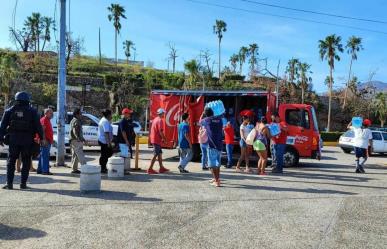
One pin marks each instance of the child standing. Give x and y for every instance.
(229, 140)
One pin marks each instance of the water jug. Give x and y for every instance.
(357, 122)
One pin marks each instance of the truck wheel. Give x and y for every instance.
(346, 151)
(196, 153)
(291, 157)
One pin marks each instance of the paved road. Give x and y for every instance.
(317, 205)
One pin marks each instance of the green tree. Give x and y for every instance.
(127, 48)
(329, 50)
(293, 69)
(47, 23)
(193, 69)
(8, 72)
(305, 79)
(253, 58)
(353, 47)
(234, 59)
(116, 13)
(219, 28)
(380, 106)
(242, 57)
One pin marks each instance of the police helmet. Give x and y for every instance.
(22, 96)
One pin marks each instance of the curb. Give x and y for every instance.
(330, 143)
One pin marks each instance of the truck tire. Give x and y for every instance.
(346, 150)
(197, 153)
(291, 157)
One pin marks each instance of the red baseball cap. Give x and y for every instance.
(367, 122)
(127, 111)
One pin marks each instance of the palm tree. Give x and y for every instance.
(116, 13)
(252, 53)
(293, 69)
(304, 78)
(47, 23)
(242, 57)
(380, 106)
(127, 47)
(234, 61)
(329, 49)
(8, 71)
(219, 28)
(36, 21)
(193, 69)
(353, 46)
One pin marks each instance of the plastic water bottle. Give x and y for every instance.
(357, 122)
(223, 110)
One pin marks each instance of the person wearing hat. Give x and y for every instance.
(18, 127)
(126, 133)
(157, 138)
(77, 141)
(362, 143)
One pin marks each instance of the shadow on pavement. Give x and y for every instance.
(19, 233)
(37, 179)
(104, 195)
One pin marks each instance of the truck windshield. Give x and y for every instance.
(315, 124)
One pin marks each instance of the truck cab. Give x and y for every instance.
(303, 138)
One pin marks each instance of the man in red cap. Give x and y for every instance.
(362, 141)
(126, 133)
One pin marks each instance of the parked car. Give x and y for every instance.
(379, 141)
(53, 151)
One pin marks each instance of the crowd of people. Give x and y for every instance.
(29, 137)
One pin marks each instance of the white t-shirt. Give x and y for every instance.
(362, 137)
(103, 127)
(246, 129)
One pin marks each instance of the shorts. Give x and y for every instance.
(242, 143)
(214, 157)
(360, 152)
(157, 149)
(259, 146)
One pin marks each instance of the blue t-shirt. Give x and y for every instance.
(182, 130)
(214, 128)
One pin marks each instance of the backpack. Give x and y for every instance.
(203, 136)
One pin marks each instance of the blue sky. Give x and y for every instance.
(151, 24)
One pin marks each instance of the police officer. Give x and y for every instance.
(18, 127)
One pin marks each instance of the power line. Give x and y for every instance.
(286, 17)
(315, 12)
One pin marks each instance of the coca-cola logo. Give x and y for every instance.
(173, 115)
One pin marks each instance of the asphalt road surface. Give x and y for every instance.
(317, 205)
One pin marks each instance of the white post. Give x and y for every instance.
(61, 86)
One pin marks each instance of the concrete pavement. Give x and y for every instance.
(317, 205)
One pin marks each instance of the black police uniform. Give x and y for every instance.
(20, 123)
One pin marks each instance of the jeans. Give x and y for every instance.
(204, 148)
(44, 159)
(106, 152)
(13, 155)
(279, 155)
(185, 157)
(229, 148)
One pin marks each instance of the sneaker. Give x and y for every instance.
(76, 172)
(104, 171)
(216, 183)
(163, 170)
(24, 186)
(212, 180)
(9, 187)
(180, 169)
(152, 172)
(47, 174)
(362, 170)
(357, 171)
(185, 171)
(262, 173)
(205, 168)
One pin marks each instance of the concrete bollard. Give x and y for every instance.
(115, 167)
(90, 180)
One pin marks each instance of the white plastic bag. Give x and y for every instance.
(124, 150)
(251, 137)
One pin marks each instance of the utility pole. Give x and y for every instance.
(99, 45)
(277, 87)
(61, 86)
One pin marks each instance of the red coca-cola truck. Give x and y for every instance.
(303, 135)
